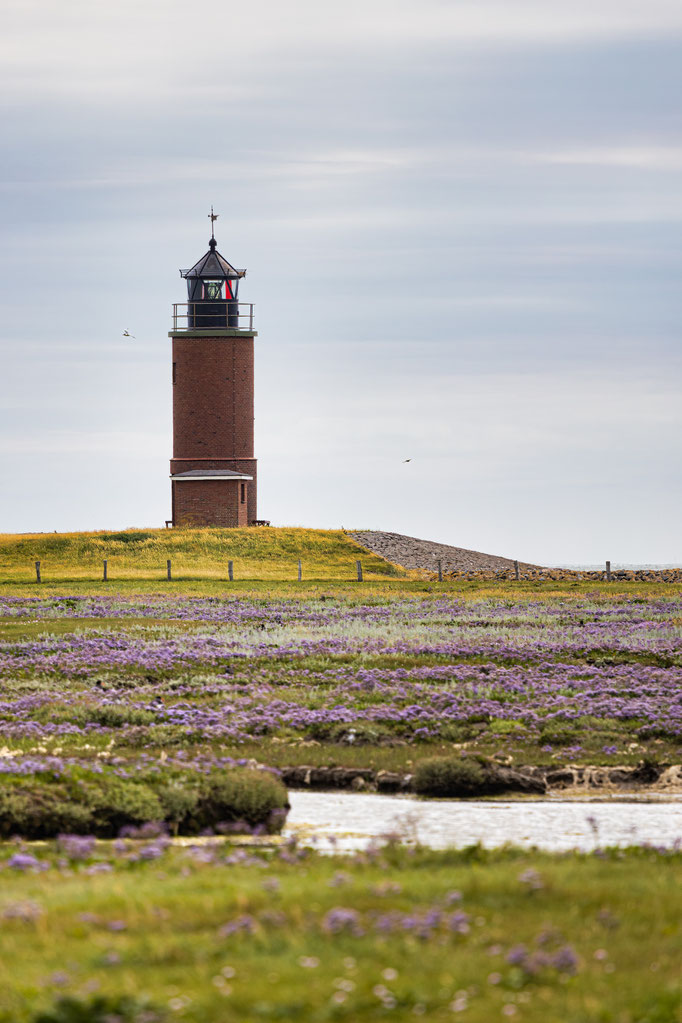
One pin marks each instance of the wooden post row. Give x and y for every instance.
(300, 570)
(517, 574)
(230, 571)
(37, 571)
(168, 569)
(608, 571)
(440, 571)
(358, 565)
(104, 573)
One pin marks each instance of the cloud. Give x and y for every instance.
(642, 157)
(141, 50)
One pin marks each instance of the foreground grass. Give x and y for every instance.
(213, 935)
(193, 583)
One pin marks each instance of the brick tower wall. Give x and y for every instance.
(213, 421)
(208, 503)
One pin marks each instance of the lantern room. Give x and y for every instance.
(212, 287)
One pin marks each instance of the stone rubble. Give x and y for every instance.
(459, 563)
(409, 552)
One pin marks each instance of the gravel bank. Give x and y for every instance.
(410, 552)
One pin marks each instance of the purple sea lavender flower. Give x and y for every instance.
(517, 955)
(76, 847)
(341, 918)
(24, 861)
(459, 922)
(565, 960)
(245, 924)
(154, 850)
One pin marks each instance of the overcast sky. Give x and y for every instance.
(461, 223)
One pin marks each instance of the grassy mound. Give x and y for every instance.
(44, 799)
(257, 553)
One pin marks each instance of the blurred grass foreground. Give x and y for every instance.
(141, 931)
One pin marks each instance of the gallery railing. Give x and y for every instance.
(205, 315)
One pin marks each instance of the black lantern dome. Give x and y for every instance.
(212, 286)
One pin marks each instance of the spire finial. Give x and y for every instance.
(213, 217)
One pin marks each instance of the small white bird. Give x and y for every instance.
(126, 333)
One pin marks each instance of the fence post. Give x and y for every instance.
(168, 569)
(358, 565)
(37, 571)
(230, 571)
(300, 570)
(608, 571)
(517, 574)
(104, 574)
(440, 571)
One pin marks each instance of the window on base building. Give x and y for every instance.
(174, 365)
(243, 493)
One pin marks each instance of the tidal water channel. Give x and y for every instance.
(347, 821)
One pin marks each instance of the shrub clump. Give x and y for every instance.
(73, 798)
(449, 776)
(472, 776)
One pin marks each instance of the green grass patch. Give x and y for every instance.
(210, 936)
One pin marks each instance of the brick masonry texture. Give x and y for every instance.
(213, 399)
(209, 503)
(410, 552)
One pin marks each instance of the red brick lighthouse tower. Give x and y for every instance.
(213, 469)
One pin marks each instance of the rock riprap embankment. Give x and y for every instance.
(525, 780)
(410, 552)
(459, 563)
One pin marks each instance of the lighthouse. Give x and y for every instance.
(213, 468)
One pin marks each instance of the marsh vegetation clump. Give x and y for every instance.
(47, 797)
(450, 776)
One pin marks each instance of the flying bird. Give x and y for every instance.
(406, 460)
(126, 333)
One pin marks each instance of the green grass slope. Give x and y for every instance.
(260, 554)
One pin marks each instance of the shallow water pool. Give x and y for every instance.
(349, 820)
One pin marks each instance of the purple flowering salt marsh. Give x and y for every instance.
(330, 679)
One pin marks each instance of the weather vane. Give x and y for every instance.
(213, 217)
